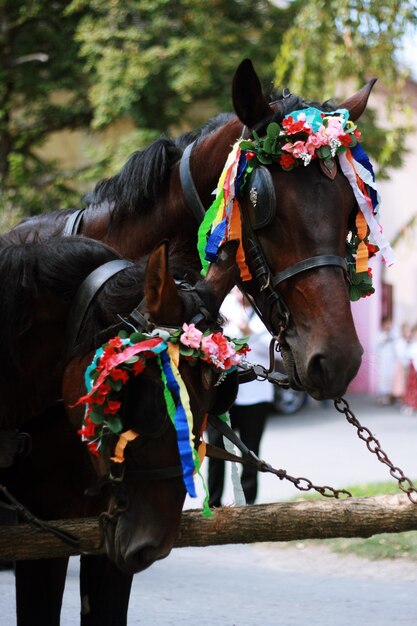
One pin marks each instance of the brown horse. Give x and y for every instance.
(165, 190)
(39, 283)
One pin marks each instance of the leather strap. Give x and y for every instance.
(73, 223)
(308, 264)
(188, 187)
(160, 473)
(86, 294)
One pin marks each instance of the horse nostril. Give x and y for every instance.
(330, 373)
(317, 370)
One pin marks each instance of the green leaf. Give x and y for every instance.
(115, 424)
(136, 337)
(264, 159)
(116, 385)
(186, 350)
(133, 359)
(355, 293)
(96, 417)
(324, 152)
(273, 130)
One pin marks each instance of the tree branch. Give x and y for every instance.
(353, 517)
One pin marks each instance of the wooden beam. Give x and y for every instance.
(307, 519)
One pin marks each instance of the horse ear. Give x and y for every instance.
(356, 104)
(223, 274)
(249, 102)
(162, 299)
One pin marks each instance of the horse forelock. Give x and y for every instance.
(288, 103)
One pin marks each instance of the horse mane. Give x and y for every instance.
(31, 271)
(143, 180)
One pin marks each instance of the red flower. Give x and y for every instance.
(345, 140)
(97, 398)
(286, 160)
(372, 249)
(138, 367)
(357, 133)
(291, 127)
(103, 390)
(93, 447)
(370, 271)
(112, 407)
(118, 374)
(88, 429)
(116, 342)
(250, 155)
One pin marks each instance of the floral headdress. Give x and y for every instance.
(303, 136)
(124, 357)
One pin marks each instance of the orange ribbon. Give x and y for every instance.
(124, 439)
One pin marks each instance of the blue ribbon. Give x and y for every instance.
(360, 155)
(215, 240)
(181, 426)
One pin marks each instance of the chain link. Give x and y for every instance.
(304, 484)
(373, 445)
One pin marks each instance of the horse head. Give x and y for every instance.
(295, 251)
(146, 490)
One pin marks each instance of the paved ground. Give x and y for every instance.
(275, 584)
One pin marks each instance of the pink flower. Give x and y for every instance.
(334, 128)
(297, 148)
(314, 142)
(218, 350)
(191, 336)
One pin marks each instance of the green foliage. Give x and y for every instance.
(151, 60)
(166, 65)
(331, 41)
(42, 90)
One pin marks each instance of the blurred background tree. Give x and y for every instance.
(165, 66)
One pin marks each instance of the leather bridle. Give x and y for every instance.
(85, 296)
(267, 282)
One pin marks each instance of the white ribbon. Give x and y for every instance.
(238, 495)
(374, 227)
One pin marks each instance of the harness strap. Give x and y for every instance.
(160, 473)
(86, 294)
(27, 516)
(73, 223)
(188, 186)
(307, 264)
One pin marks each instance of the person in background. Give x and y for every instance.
(254, 400)
(402, 347)
(409, 406)
(385, 348)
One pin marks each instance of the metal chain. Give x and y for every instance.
(373, 445)
(304, 484)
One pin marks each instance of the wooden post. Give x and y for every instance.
(307, 519)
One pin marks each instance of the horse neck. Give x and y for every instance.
(36, 384)
(171, 218)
